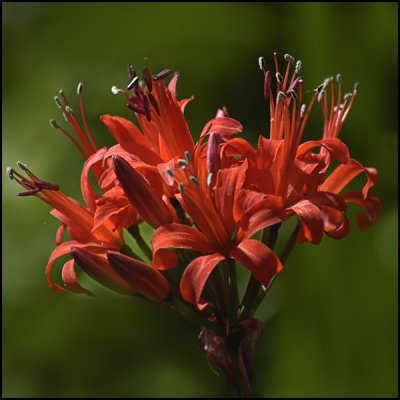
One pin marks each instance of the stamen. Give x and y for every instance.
(115, 90)
(320, 95)
(279, 78)
(267, 83)
(293, 94)
(23, 166)
(133, 83)
(209, 179)
(188, 157)
(58, 102)
(147, 79)
(281, 97)
(319, 88)
(79, 88)
(289, 58)
(339, 79)
(356, 88)
(194, 180)
(297, 68)
(181, 187)
(163, 74)
(261, 63)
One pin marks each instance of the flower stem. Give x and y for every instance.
(135, 232)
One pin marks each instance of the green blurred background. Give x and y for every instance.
(330, 319)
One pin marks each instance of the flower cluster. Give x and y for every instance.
(212, 203)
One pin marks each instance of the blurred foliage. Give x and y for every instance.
(331, 317)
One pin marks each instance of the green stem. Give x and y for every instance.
(135, 232)
(233, 288)
(222, 290)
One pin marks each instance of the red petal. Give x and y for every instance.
(229, 182)
(145, 279)
(345, 173)
(195, 277)
(258, 258)
(177, 236)
(71, 280)
(141, 194)
(224, 126)
(88, 193)
(60, 233)
(59, 251)
(262, 211)
(131, 139)
(371, 204)
(312, 220)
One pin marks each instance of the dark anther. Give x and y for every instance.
(132, 83)
(293, 94)
(163, 74)
(29, 192)
(319, 88)
(147, 79)
(279, 77)
(136, 109)
(46, 185)
(146, 108)
(153, 102)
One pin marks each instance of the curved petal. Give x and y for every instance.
(195, 277)
(177, 236)
(334, 145)
(88, 193)
(345, 173)
(258, 258)
(267, 211)
(59, 251)
(311, 219)
(371, 204)
(224, 126)
(144, 278)
(71, 280)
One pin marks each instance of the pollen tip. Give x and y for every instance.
(347, 96)
(132, 83)
(209, 179)
(289, 58)
(188, 157)
(279, 77)
(114, 90)
(194, 180)
(339, 79)
(68, 109)
(9, 171)
(356, 87)
(182, 163)
(79, 88)
(58, 102)
(261, 63)
(170, 172)
(53, 123)
(22, 165)
(297, 68)
(181, 187)
(281, 96)
(303, 110)
(320, 95)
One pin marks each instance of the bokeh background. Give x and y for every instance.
(331, 317)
